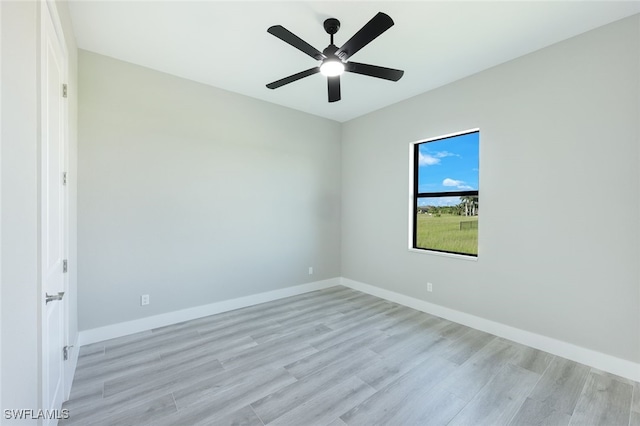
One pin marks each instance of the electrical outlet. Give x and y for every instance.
(429, 287)
(310, 270)
(144, 300)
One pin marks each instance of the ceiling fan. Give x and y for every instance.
(334, 60)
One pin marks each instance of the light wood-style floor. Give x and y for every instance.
(336, 357)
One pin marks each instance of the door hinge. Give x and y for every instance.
(64, 90)
(64, 266)
(65, 352)
(64, 178)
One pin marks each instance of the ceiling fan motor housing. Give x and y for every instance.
(330, 51)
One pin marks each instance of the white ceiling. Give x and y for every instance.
(225, 43)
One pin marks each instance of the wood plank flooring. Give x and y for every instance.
(337, 357)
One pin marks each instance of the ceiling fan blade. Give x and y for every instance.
(294, 77)
(374, 71)
(288, 37)
(334, 88)
(372, 29)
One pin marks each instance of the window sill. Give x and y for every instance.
(443, 254)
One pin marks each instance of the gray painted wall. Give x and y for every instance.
(20, 366)
(559, 193)
(195, 195)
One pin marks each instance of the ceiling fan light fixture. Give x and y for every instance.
(335, 60)
(332, 67)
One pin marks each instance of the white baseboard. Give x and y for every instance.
(609, 363)
(144, 324)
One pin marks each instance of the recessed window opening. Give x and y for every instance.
(445, 203)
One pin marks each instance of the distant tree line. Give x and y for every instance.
(468, 206)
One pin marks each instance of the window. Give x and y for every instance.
(445, 201)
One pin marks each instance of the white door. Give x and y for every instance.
(53, 203)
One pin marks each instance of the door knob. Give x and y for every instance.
(52, 297)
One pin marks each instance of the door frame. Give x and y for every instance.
(49, 12)
(1, 403)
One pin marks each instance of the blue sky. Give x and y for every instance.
(448, 165)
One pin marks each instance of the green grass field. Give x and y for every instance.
(443, 233)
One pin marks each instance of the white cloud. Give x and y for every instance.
(433, 158)
(427, 160)
(443, 154)
(452, 182)
(459, 184)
